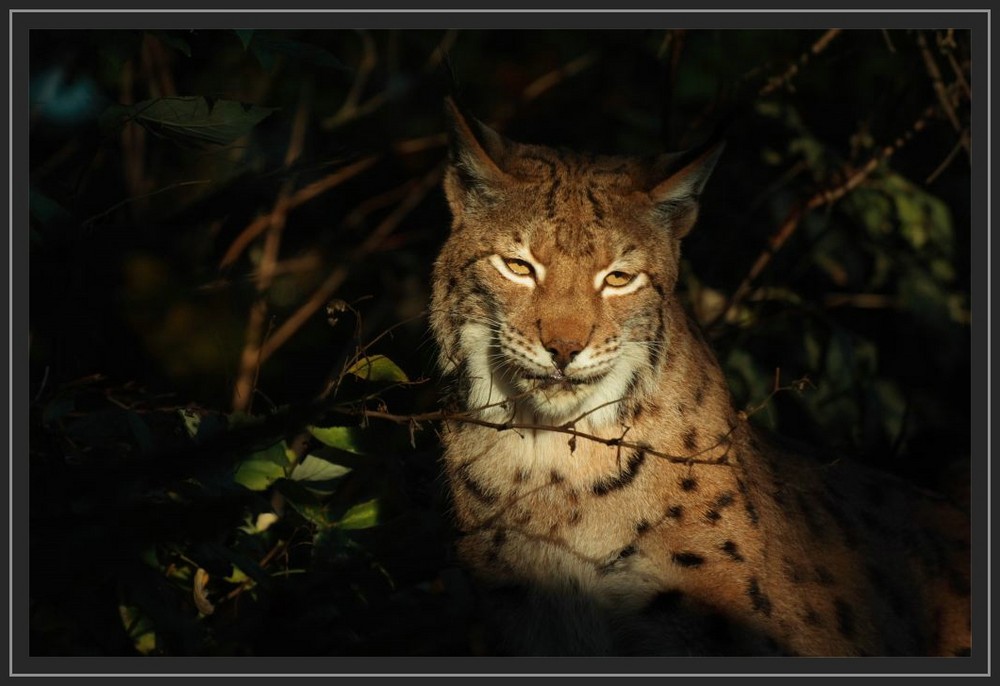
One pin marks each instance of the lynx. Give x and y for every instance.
(608, 495)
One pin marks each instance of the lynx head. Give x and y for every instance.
(550, 291)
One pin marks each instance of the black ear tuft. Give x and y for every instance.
(476, 154)
(683, 177)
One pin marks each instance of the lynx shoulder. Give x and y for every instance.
(605, 489)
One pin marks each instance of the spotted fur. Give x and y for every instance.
(682, 529)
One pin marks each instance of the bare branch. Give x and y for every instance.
(944, 97)
(784, 80)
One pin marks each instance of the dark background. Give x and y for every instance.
(149, 295)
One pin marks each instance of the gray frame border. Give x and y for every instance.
(21, 22)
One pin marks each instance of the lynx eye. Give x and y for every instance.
(519, 267)
(618, 279)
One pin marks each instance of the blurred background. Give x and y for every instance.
(221, 220)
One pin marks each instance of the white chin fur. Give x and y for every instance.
(491, 391)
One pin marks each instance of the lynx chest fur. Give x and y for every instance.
(596, 461)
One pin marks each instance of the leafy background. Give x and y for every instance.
(231, 234)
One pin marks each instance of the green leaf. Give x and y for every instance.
(313, 468)
(139, 628)
(258, 475)
(246, 35)
(377, 368)
(191, 119)
(263, 468)
(347, 438)
(361, 516)
(313, 512)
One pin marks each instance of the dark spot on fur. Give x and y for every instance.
(478, 491)
(732, 550)
(845, 617)
(691, 438)
(574, 517)
(623, 478)
(642, 526)
(596, 205)
(847, 527)
(752, 514)
(689, 484)
(452, 283)
(556, 478)
(714, 514)
(725, 500)
(793, 572)
(813, 522)
(675, 511)
(688, 559)
(610, 566)
(499, 537)
(758, 599)
(812, 617)
(824, 576)
(699, 395)
(888, 590)
(521, 476)
(551, 199)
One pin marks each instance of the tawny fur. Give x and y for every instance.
(685, 506)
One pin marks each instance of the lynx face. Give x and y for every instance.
(561, 313)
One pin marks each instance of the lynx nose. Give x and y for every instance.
(563, 352)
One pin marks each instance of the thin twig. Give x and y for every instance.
(784, 80)
(126, 201)
(888, 41)
(350, 109)
(552, 78)
(939, 88)
(467, 418)
(963, 142)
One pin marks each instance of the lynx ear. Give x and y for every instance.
(476, 155)
(676, 197)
